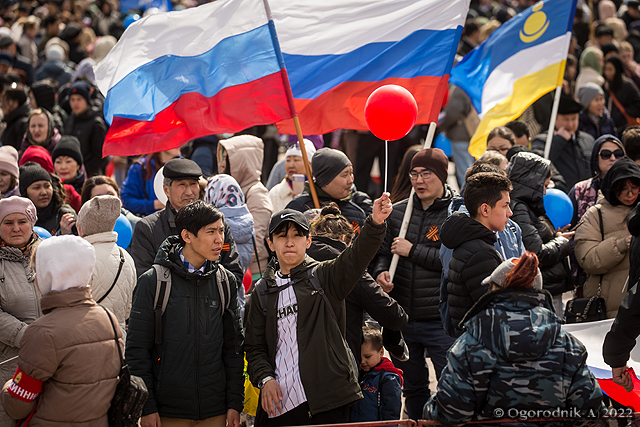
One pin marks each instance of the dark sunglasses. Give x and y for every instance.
(606, 154)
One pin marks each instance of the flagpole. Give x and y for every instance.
(407, 213)
(556, 101)
(292, 106)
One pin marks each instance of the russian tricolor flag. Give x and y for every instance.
(337, 52)
(592, 334)
(176, 76)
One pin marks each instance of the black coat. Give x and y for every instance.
(417, 278)
(527, 172)
(196, 372)
(367, 296)
(356, 208)
(90, 129)
(629, 96)
(633, 223)
(16, 126)
(571, 158)
(474, 258)
(152, 230)
(621, 339)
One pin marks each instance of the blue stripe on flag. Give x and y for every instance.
(156, 85)
(422, 53)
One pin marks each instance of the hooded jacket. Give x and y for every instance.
(366, 297)
(607, 258)
(72, 349)
(474, 258)
(325, 370)
(527, 172)
(151, 231)
(571, 157)
(584, 194)
(382, 394)
(513, 354)
(196, 372)
(356, 207)
(245, 154)
(417, 278)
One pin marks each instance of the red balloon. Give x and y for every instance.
(390, 112)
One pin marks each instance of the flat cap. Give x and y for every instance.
(181, 169)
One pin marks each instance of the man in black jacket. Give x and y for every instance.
(194, 368)
(181, 187)
(472, 239)
(416, 284)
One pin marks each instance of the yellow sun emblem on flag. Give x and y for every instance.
(535, 25)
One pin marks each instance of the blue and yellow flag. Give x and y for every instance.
(521, 61)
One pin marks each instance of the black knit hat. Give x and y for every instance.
(68, 146)
(327, 163)
(31, 172)
(45, 94)
(81, 88)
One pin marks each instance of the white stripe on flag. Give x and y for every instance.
(499, 84)
(322, 27)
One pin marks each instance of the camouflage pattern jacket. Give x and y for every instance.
(514, 358)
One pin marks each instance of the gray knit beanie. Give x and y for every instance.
(327, 163)
(587, 92)
(99, 215)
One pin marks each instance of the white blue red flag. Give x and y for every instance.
(337, 52)
(176, 76)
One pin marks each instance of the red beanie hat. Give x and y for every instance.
(38, 154)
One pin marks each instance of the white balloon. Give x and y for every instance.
(157, 186)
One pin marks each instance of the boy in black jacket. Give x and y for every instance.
(472, 239)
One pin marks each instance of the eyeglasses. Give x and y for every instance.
(634, 191)
(606, 154)
(425, 175)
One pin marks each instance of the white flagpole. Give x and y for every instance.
(407, 213)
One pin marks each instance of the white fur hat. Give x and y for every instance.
(295, 150)
(64, 262)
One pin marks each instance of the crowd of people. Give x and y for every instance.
(236, 282)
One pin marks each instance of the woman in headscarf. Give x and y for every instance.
(40, 131)
(591, 62)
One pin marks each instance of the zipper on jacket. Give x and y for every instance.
(197, 349)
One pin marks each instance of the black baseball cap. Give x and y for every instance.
(288, 215)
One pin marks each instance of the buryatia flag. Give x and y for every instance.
(337, 52)
(592, 335)
(521, 61)
(176, 76)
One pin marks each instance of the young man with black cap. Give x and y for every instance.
(295, 345)
(416, 284)
(333, 176)
(193, 366)
(181, 187)
(570, 148)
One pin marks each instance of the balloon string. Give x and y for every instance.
(386, 164)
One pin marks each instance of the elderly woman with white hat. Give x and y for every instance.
(282, 193)
(69, 362)
(19, 298)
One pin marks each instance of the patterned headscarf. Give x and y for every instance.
(223, 190)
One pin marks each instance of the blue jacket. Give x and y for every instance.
(241, 226)
(382, 389)
(509, 245)
(138, 194)
(513, 357)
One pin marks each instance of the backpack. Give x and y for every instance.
(262, 292)
(163, 290)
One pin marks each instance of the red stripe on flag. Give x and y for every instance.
(233, 109)
(343, 106)
(620, 395)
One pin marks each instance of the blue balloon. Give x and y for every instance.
(130, 19)
(124, 230)
(442, 143)
(559, 207)
(44, 234)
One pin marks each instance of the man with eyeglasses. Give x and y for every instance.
(570, 148)
(416, 284)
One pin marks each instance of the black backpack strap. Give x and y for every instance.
(117, 276)
(115, 334)
(222, 281)
(313, 278)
